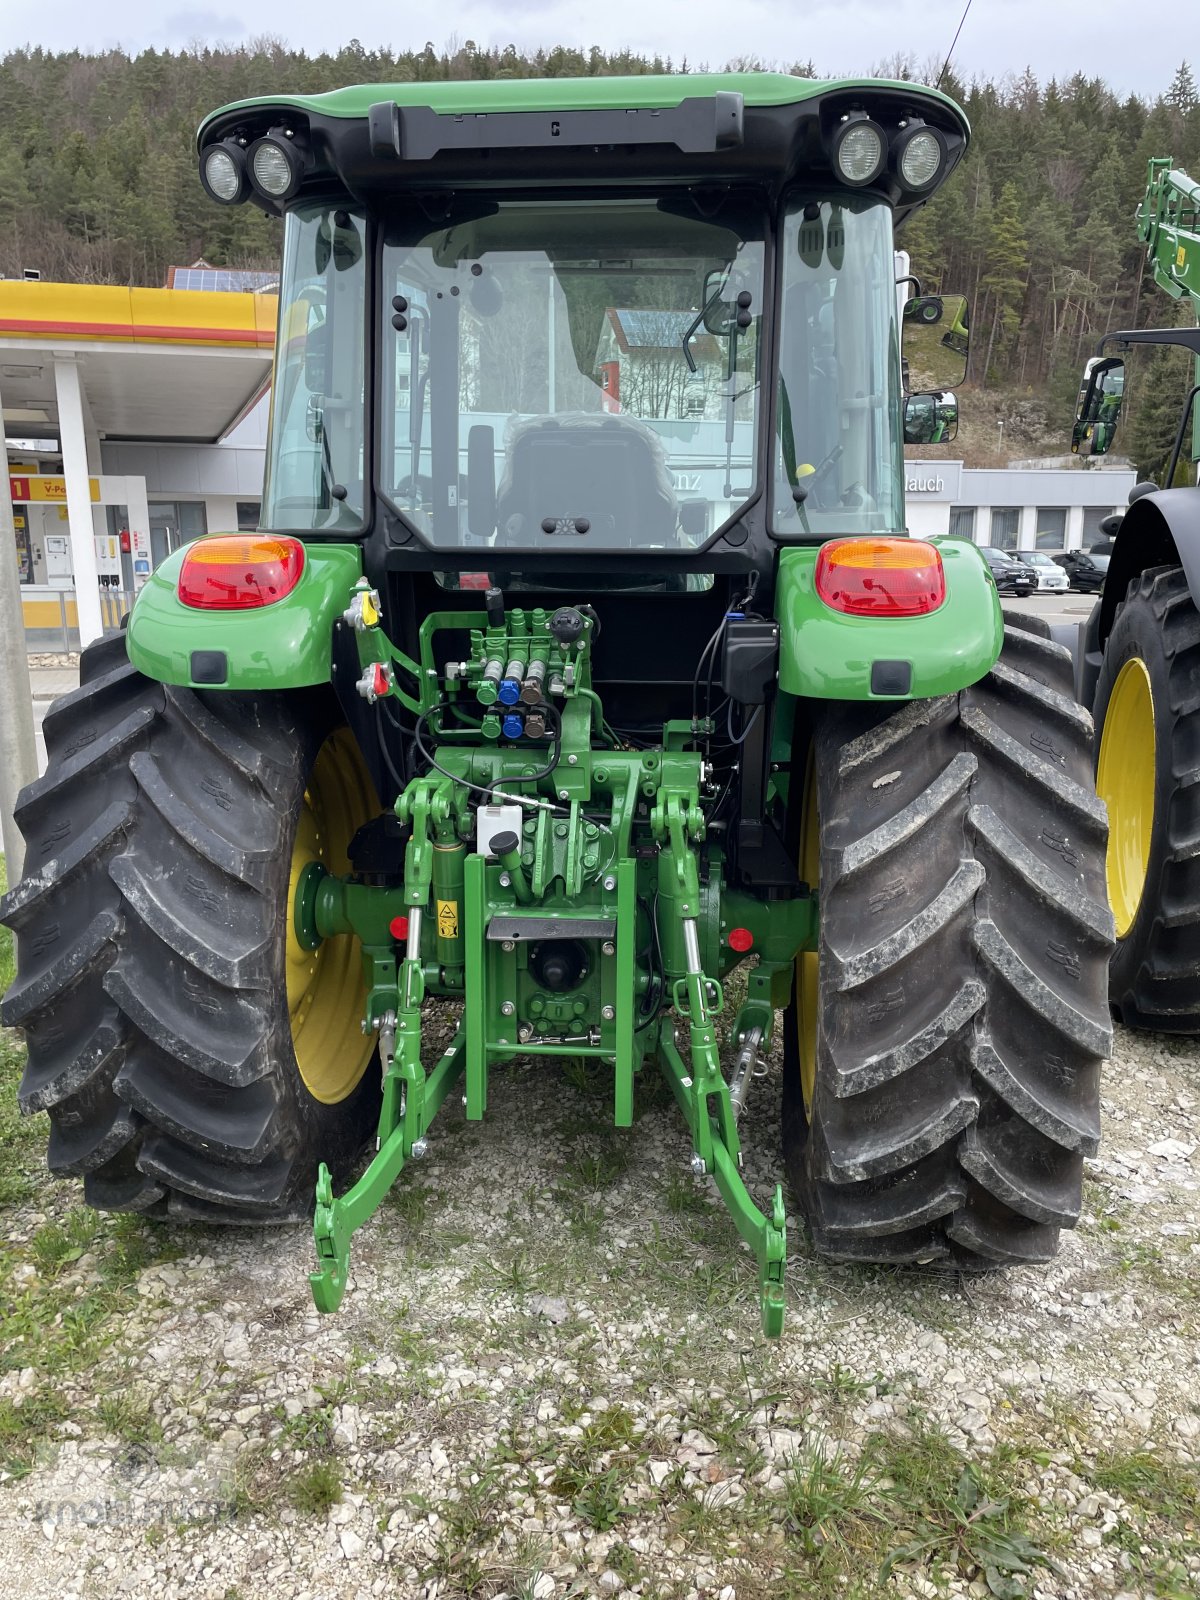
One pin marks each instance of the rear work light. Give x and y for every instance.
(239, 573)
(880, 577)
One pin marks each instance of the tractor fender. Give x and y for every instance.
(1158, 530)
(826, 655)
(284, 645)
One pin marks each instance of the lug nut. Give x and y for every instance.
(507, 945)
(607, 1013)
(507, 1009)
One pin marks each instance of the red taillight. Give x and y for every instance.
(398, 928)
(741, 940)
(234, 573)
(880, 577)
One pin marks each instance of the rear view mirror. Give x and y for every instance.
(930, 418)
(726, 303)
(1101, 395)
(936, 341)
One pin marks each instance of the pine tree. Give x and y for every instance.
(1005, 279)
(1181, 96)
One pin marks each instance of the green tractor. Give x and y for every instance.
(582, 659)
(1135, 655)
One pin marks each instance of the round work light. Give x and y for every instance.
(919, 156)
(223, 173)
(276, 167)
(859, 151)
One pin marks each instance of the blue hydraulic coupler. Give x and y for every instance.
(509, 692)
(513, 725)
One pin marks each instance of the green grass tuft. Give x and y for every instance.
(315, 1487)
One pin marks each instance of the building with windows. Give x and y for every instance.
(1013, 508)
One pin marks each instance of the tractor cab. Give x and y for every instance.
(658, 324)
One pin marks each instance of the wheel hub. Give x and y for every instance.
(1125, 782)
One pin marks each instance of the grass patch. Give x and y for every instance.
(63, 1327)
(518, 1274)
(966, 1530)
(315, 1488)
(595, 1470)
(60, 1244)
(1161, 1535)
(1165, 1489)
(838, 1511)
(23, 1139)
(24, 1426)
(126, 1415)
(464, 1556)
(596, 1168)
(909, 1502)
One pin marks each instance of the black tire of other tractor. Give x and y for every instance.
(1154, 980)
(965, 938)
(150, 930)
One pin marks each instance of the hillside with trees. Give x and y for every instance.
(98, 184)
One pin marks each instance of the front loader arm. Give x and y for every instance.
(1169, 226)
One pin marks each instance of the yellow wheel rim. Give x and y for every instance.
(326, 990)
(1125, 781)
(808, 961)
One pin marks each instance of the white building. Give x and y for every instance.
(1013, 508)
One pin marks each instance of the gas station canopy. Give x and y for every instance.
(81, 364)
(155, 365)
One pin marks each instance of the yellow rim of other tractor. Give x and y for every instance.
(1125, 781)
(808, 961)
(326, 989)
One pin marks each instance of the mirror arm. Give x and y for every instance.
(915, 281)
(713, 300)
(690, 334)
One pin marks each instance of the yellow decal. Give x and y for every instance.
(447, 915)
(1180, 256)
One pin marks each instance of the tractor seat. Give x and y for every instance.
(610, 470)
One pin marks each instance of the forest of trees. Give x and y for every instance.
(98, 184)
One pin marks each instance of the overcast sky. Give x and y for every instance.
(1136, 48)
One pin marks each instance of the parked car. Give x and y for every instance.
(1085, 569)
(1049, 575)
(1012, 576)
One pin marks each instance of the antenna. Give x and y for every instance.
(953, 42)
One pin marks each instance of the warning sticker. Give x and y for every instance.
(447, 915)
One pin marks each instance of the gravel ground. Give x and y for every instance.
(547, 1379)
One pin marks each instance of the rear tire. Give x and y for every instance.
(962, 1010)
(151, 949)
(1154, 980)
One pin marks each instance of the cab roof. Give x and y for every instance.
(646, 91)
(377, 141)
